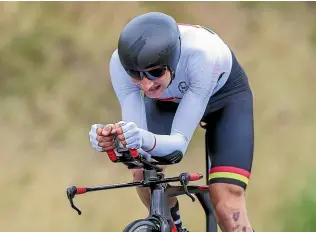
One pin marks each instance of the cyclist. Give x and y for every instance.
(169, 78)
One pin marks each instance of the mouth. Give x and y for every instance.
(155, 88)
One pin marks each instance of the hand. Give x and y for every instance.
(128, 134)
(102, 138)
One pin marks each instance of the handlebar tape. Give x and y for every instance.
(195, 176)
(112, 155)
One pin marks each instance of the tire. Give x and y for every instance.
(142, 225)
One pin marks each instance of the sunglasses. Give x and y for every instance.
(152, 74)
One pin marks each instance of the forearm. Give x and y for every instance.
(163, 145)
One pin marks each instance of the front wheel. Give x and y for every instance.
(142, 225)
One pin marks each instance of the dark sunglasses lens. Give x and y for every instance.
(158, 72)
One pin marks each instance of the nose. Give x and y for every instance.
(145, 84)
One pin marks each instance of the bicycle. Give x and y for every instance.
(159, 218)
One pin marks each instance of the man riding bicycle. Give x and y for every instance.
(169, 78)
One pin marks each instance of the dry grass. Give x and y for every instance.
(54, 85)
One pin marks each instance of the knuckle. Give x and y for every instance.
(95, 126)
(102, 139)
(133, 125)
(107, 148)
(121, 123)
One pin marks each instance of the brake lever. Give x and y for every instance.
(71, 192)
(184, 180)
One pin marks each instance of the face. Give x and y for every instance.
(154, 88)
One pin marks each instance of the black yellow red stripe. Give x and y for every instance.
(227, 172)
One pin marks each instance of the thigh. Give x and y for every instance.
(230, 141)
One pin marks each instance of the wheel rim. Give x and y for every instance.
(144, 228)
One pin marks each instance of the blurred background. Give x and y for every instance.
(55, 84)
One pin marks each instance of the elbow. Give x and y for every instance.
(172, 158)
(182, 141)
(177, 147)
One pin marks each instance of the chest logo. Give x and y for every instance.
(183, 87)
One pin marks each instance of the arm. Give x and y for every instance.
(203, 71)
(129, 96)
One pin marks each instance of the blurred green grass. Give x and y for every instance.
(299, 215)
(54, 84)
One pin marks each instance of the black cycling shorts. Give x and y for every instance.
(229, 128)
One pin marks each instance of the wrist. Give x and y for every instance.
(148, 140)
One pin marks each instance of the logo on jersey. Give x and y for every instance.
(183, 87)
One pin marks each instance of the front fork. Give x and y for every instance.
(159, 204)
(160, 210)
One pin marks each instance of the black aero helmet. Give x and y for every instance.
(148, 40)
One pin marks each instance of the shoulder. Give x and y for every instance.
(115, 66)
(118, 75)
(197, 41)
(115, 60)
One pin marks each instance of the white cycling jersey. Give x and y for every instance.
(204, 58)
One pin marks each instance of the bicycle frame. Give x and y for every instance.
(159, 206)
